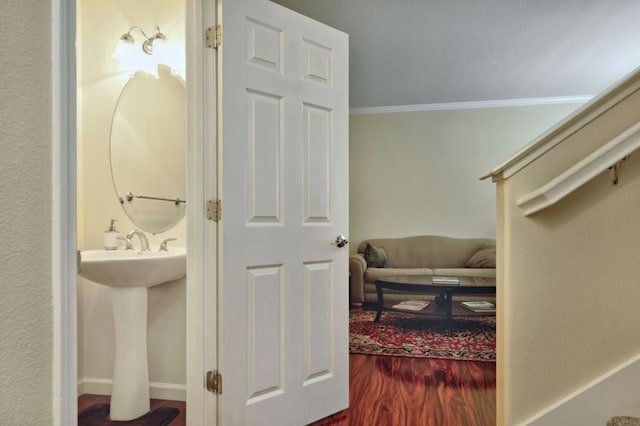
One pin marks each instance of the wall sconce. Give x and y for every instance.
(169, 52)
(147, 44)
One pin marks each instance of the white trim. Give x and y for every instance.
(604, 391)
(582, 172)
(201, 333)
(565, 128)
(447, 106)
(209, 115)
(194, 332)
(63, 212)
(157, 390)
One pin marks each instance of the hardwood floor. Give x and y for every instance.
(399, 391)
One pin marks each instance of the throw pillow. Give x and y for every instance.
(376, 257)
(485, 257)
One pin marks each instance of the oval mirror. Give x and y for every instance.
(148, 150)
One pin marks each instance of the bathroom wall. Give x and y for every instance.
(101, 78)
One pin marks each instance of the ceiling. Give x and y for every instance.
(409, 52)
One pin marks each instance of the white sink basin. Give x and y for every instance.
(128, 274)
(130, 268)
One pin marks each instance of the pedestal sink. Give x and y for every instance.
(128, 274)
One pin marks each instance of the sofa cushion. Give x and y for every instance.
(465, 272)
(376, 257)
(372, 274)
(485, 257)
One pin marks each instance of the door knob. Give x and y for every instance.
(341, 241)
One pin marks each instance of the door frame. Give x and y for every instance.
(63, 212)
(201, 323)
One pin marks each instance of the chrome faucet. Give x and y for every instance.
(144, 242)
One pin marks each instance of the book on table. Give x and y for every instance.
(445, 280)
(412, 305)
(479, 306)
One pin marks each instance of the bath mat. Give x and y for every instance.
(97, 415)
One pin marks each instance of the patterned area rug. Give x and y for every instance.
(400, 334)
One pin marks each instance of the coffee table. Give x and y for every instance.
(444, 305)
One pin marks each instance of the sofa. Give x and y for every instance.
(417, 255)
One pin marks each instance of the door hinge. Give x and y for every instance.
(214, 382)
(214, 210)
(213, 37)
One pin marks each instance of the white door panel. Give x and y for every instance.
(283, 339)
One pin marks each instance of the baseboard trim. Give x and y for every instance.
(97, 386)
(612, 394)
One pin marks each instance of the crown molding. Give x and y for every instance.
(449, 106)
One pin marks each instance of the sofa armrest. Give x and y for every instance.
(357, 268)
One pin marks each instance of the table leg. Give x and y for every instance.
(380, 303)
(448, 304)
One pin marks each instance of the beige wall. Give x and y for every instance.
(26, 332)
(100, 81)
(418, 172)
(569, 277)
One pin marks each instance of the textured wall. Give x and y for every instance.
(417, 172)
(570, 274)
(26, 338)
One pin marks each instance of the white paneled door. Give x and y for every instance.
(283, 283)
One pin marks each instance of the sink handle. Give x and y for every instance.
(163, 245)
(128, 244)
